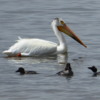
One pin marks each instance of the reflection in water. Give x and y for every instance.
(62, 58)
(69, 77)
(31, 60)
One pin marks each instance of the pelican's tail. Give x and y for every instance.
(12, 50)
(7, 52)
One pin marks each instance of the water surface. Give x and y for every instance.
(32, 18)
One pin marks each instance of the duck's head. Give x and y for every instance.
(93, 68)
(21, 70)
(68, 67)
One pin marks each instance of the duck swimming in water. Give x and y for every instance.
(94, 70)
(22, 71)
(67, 71)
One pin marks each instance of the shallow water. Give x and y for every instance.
(32, 18)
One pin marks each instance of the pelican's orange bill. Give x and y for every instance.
(70, 33)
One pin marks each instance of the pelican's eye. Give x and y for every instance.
(62, 22)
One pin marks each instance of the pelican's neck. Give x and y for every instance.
(59, 35)
(62, 47)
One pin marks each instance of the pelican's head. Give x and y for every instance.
(62, 27)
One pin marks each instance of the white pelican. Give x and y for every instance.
(37, 47)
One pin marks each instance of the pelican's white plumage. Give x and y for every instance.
(31, 47)
(37, 47)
